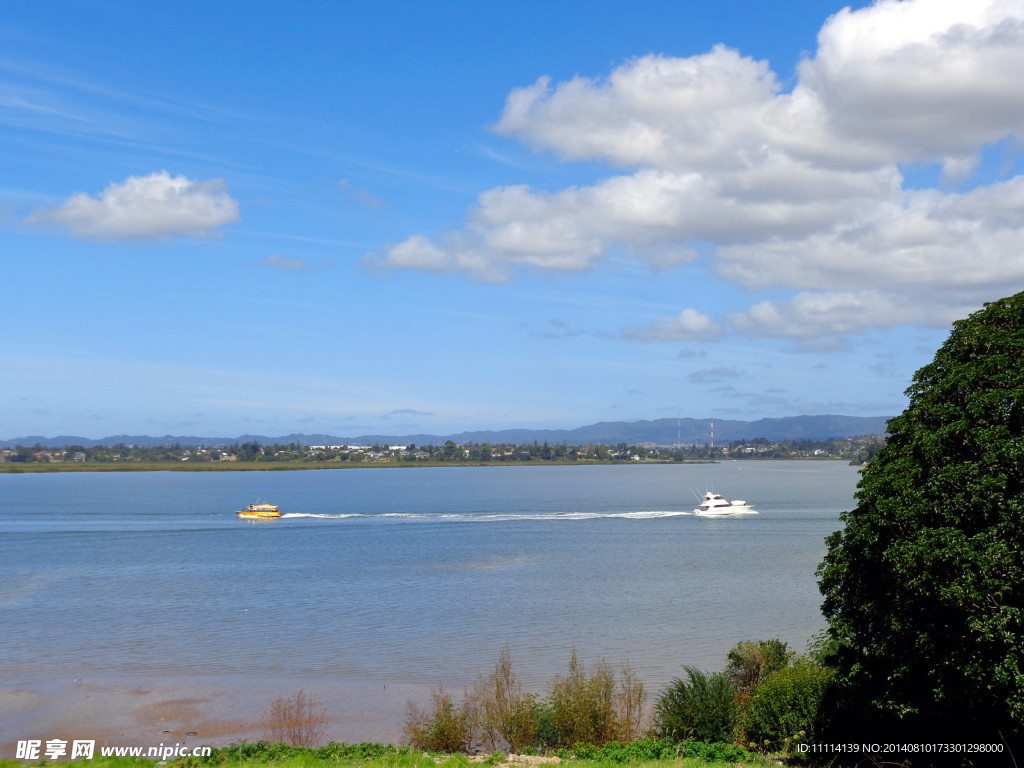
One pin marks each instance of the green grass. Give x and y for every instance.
(97, 762)
(333, 755)
(418, 760)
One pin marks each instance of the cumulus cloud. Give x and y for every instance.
(150, 207)
(419, 253)
(918, 80)
(799, 188)
(659, 111)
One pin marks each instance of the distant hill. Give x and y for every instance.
(658, 432)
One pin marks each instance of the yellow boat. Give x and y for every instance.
(259, 512)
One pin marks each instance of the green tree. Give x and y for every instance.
(23, 454)
(924, 587)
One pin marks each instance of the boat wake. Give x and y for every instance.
(486, 517)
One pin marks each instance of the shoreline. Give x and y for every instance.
(11, 469)
(42, 468)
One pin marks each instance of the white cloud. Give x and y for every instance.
(656, 111)
(149, 207)
(799, 189)
(921, 238)
(912, 80)
(689, 325)
(419, 253)
(813, 314)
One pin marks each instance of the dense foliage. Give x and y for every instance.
(751, 662)
(783, 707)
(702, 707)
(924, 587)
(444, 727)
(767, 699)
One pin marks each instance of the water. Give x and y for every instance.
(408, 576)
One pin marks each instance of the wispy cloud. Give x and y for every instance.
(360, 196)
(708, 375)
(277, 261)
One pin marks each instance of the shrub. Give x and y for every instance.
(630, 706)
(501, 715)
(594, 709)
(297, 720)
(546, 735)
(643, 750)
(714, 752)
(442, 728)
(750, 663)
(582, 707)
(784, 707)
(497, 715)
(702, 708)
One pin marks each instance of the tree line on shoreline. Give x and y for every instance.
(856, 450)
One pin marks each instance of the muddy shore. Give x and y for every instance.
(149, 711)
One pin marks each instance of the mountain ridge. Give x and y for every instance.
(686, 431)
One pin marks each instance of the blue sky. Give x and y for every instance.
(398, 217)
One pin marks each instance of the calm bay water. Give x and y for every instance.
(417, 573)
(408, 576)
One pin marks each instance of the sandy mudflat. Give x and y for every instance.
(149, 711)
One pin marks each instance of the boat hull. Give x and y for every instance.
(259, 512)
(725, 512)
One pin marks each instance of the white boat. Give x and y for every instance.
(715, 505)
